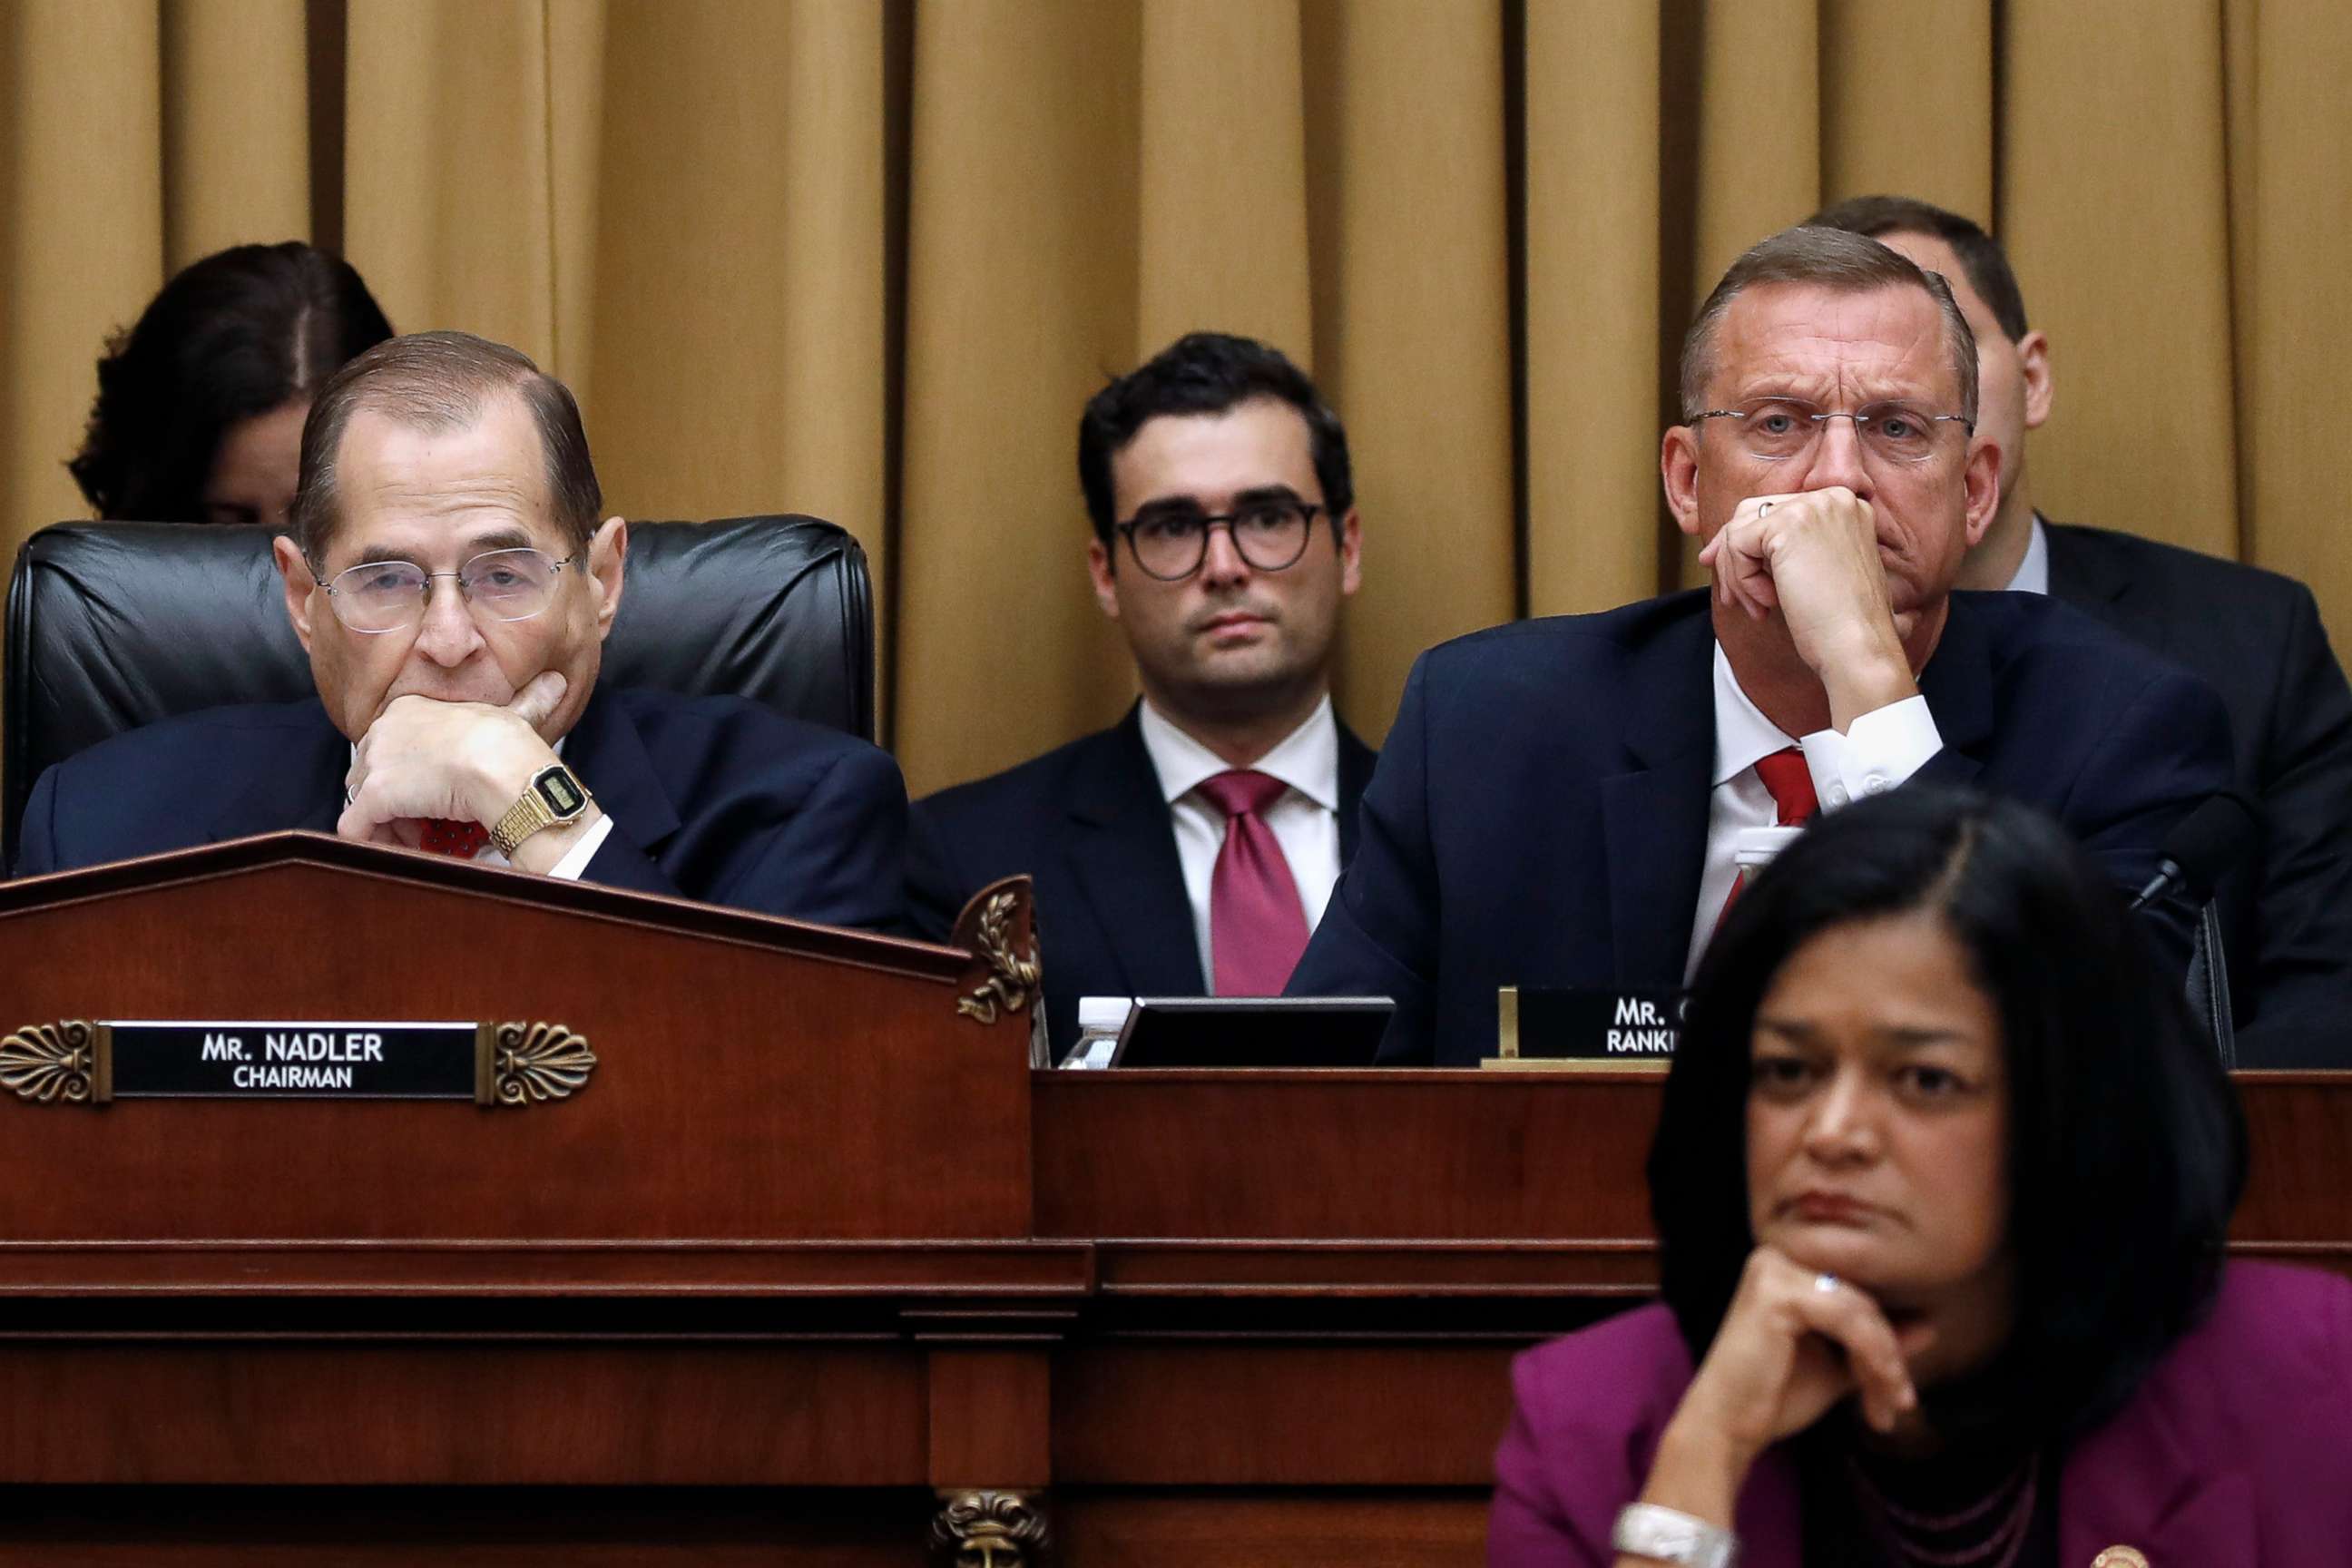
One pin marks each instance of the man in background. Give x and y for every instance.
(1191, 846)
(2253, 636)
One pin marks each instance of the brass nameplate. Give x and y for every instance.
(78, 1062)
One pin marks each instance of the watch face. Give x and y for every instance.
(561, 791)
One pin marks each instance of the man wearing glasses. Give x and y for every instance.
(1562, 803)
(448, 575)
(1191, 846)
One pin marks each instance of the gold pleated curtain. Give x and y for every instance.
(866, 259)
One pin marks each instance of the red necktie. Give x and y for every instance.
(1256, 926)
(463, 839)
(1791, 783)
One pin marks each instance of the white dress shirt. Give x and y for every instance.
(1878, 750)
(1305, 819)
(574, 864)
(2034, 572)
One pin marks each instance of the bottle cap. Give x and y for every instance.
(1104, 1015)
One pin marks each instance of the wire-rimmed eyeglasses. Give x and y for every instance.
(1779, 428)
(377, 596)
(1268, 535)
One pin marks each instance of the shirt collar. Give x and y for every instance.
(1742, 734)
(1307, 758)
(2033, 571)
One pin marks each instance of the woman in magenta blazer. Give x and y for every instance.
(1941, 1183)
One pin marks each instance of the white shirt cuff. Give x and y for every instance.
(1878, 751)
(575, 859)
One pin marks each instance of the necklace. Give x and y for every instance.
(1989, 1533)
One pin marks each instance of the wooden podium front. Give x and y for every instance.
(810, 1266)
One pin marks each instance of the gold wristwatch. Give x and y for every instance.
(554, 796)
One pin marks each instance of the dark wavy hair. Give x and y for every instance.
(1206, 373)
(2126, 1148)
(237, 334)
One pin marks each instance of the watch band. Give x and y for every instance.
(1645, 1529)
(554, 795)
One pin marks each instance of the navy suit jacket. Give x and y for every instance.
(2256, 638)
(713, 798)
(1089, 823)
(1540, 814)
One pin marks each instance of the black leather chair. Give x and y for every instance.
(115, 625)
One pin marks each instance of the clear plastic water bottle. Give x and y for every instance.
(1100, 1019)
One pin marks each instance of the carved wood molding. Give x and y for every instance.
(531, 1063)
(999, 929)
(50, 1063)
(976, 1529)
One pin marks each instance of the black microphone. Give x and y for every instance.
(2201, 846)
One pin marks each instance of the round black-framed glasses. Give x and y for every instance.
(1269, 536)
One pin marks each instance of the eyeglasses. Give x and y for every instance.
(1779, 428)
(378, 596)
(1269, 536)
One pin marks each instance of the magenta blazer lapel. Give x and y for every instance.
(2135, 1483)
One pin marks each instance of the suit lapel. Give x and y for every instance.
(2080, 572)
(607, 750)
(1356, 760)
(1958, 686)
(1654, 814)
(302, 787)
(2135, 1483)
(2086, 571)
(1122, 853)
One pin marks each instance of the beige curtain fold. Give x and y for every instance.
(81, 227)
(450, 206)
(1022, 235)
(1593, 321)
(1409, 229)
(236, 124)
(867, 259)
(2116, 205)
(2295, 318)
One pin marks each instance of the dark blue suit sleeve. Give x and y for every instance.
(2302, 962)
(836, 858)
(1379, 935)
(37, 846)
(2163, 752)
(937, 889)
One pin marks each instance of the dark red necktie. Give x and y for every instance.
(1256, 926)
(463, 839)
(1790, 785)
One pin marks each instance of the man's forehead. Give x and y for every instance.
(396, 478)
(1806, 330)
(1260, 442)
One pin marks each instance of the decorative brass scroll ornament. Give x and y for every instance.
(988, 1529)
(539, 1062)
(50, 1062)
(1012, 976)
